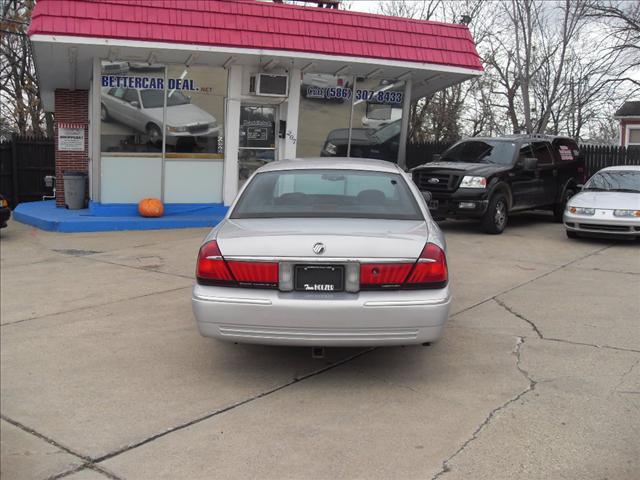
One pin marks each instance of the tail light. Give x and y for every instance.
(213, 269)
(430, 271)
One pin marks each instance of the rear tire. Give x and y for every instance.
(495, 219)
(104, 113)
(571, 234)
(155, 134)
(558, 208)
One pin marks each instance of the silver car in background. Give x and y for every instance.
(324, 252)
(608, 205)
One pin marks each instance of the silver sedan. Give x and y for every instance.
(608, 205)
(324, 252)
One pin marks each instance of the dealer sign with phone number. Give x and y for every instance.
(373, 96)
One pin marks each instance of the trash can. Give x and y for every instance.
(74, 189)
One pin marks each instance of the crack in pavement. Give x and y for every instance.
(215, 413)
(527, 282)
(86, 459)
(93, 306)
(623, 376)
(86, 466)
(559, 340)
(92, 463)
(520, 316)
(532, 385)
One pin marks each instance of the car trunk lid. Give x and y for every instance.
(353, 238)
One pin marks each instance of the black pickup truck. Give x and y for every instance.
(488, 178)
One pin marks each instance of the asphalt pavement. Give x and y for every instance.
(104, 375)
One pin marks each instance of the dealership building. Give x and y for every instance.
(183, 100)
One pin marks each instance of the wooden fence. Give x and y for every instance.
(600, 156)
(24, 162)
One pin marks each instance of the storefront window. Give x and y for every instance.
(325, 109)
(145, 110)
(195, 110)
(377, 117)
(326, 113)
(127, 123)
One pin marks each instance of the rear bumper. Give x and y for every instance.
(321, 319)
(601, 224)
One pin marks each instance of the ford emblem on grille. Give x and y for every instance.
(433, 180)
(318, 248)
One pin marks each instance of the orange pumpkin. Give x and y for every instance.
(150, 207)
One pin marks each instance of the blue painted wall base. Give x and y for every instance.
(103, 218)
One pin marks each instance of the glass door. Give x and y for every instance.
(257, 138)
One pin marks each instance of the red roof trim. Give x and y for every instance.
(257, 25)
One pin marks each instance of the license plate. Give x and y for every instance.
(433, 204)
(319, 278)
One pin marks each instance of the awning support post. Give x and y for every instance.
(404, 130)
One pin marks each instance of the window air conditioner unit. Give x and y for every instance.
(267, 85)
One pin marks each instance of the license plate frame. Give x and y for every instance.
(319, 278)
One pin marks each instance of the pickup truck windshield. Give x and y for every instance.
(481, 151)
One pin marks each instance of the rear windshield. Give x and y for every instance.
(481, 151)
(615, 181)
(327, 194)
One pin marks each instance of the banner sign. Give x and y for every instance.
(149, 83)
(70, 138)
(385, 97)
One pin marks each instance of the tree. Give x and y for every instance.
(19, 87)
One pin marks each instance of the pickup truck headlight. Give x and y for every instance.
(330, 148)
(582, 210)
(473, 182)
(626, 213)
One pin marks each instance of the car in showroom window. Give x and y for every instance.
(324, 252)
(608, 205)
(142, 110)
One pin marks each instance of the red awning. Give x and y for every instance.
(256, 25)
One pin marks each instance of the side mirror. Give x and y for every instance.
(530, 164)
(427, 196)
(436, 157)
(135, 104)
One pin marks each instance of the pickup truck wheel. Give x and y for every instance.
(558, 208)
(495, 219)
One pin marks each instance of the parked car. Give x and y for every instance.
(5, 212)
(365, 142)
(324, 252)
(142, 111)
(609, 204)
(488, 178)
